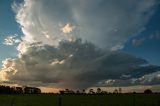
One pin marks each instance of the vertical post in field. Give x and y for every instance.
(59, 101)
(134, 101)
(12, 101)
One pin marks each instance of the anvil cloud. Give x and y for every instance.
(75, 43)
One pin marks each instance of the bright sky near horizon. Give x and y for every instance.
(77, 44)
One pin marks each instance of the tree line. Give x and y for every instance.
(98, 91)
(90, 91)
(18, 90)
(33, 90)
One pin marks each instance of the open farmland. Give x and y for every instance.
(80, 100)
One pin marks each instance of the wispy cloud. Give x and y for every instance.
(137, 42)
(11, 40)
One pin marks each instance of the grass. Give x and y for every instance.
(80, 100)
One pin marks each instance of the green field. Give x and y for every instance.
(80, 100)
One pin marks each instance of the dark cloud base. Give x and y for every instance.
(75, 65)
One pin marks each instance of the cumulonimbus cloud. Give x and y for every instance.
(50, 52)
(71, 64)
(107, 24)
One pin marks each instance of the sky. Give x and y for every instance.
(80, 44)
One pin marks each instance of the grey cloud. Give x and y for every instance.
(140, 71)
(49, 57)
(147, 78)
(45, 65)
(151, 78)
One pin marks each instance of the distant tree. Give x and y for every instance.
(115, 91)
(134, 92)
(83, 91)
(18, 90)
(77, 92)
(71, 92)
(67, 91)
(148, 91)
(62, 92)
(91, 91)
(119, 90)
(99, 90)
(104, 92)
(31, 90)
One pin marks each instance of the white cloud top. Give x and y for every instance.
(108, 24)
(51, 55)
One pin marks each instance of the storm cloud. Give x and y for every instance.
(106, 23)
(71, 64)
(76, 43)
